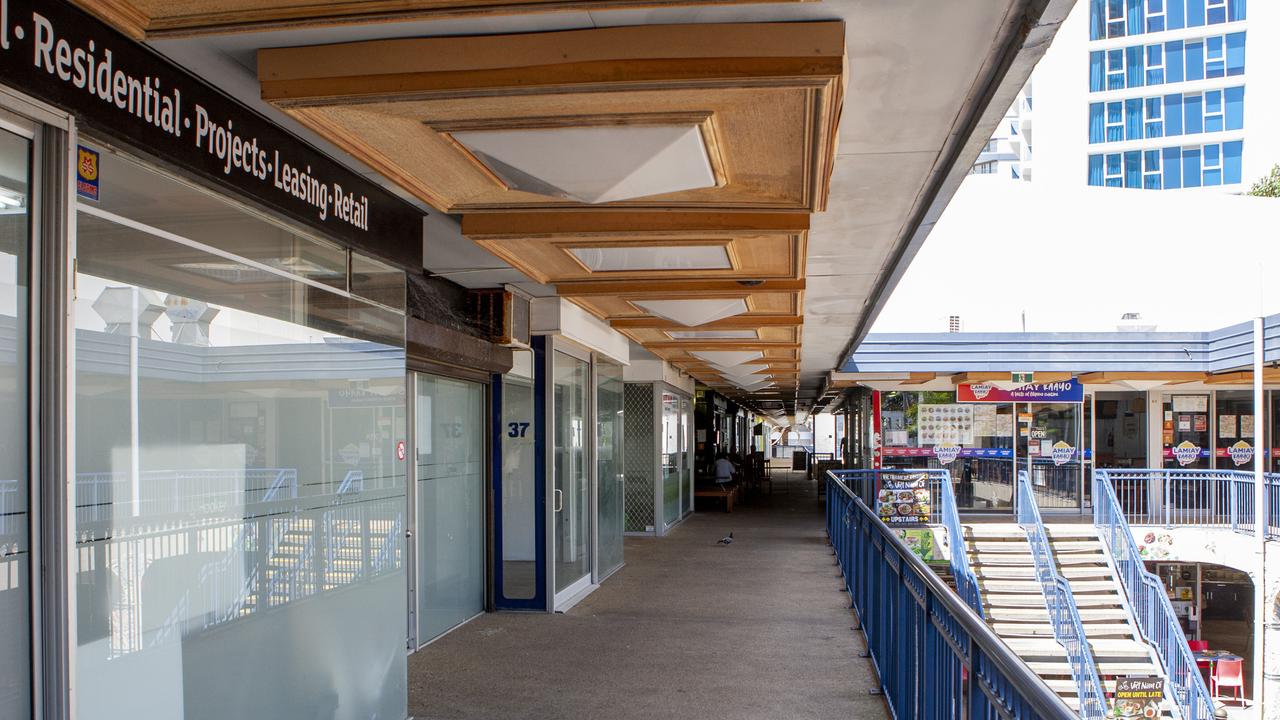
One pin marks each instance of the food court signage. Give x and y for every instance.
(1065, 391)
(69, 59)
(904, 499)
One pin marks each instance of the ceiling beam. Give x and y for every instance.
(801, 52)
(621, 224)
(919, 378)
(1111, 376)
(686, 288)
(735, 322)
(972, 377)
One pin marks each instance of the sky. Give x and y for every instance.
(1075, 258)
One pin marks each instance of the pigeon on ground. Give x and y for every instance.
(726, 540)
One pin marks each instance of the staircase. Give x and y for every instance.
(1014, 605)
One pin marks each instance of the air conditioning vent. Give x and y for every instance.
(504, 314)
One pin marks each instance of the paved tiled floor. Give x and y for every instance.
(759, 629)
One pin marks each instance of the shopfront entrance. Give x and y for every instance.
(449, 503)
(19, 188)
(1049, 442)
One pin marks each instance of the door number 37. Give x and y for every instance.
(517, 429)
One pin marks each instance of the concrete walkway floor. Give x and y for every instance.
(759, 629)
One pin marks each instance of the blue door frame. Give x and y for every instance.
(539, 599)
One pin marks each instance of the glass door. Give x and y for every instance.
(1186, 442)
(571, 496)
(16, 183)
(450, 503)
(609, 465)
(1051, 454)
(672, 459)
(686, 470)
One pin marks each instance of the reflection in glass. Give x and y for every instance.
(519, 519)
(451, 512)
(686, 472)
(238, 487)
(672, 458)
(1052, 452)
(609, 463)
(914, 424)
(571, 495)
(15, 548)
(1186, 440)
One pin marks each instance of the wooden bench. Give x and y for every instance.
(729, 492)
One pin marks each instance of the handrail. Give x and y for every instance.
(1064, 616)
(935, 655)
(1173, 497)
(1150, 604)
(944, 511)
(966, 580)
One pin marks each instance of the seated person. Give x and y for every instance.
(723, 470)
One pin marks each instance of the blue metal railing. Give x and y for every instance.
(1150, 603)
(866, 484)
(1061, 604)
(936, 658)
(1198, 498)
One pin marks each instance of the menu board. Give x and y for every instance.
(904, 499)
(1226, 426)
(1138, 697)
(1191, 403)
(940, 424)
(984, 421)
(1246, 426)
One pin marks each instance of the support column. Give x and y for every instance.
(1262, 590)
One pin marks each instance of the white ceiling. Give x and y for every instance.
(923, 76)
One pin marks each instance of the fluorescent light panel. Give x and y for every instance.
(728, 358)
(637, 258)
(595, 164)
(691, 313)
(714, 334)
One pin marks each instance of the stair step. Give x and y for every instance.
(1021, 547)
(1033, 586)
(1044, 629)
(1051, 668)
(982, 570)
(1104, 649)
(1040, 614)
(1025, 560)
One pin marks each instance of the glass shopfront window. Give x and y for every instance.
(15, 542)
(674, 449)
(1051, 446)
(238, 484)
(1186, 440)
(1120, 429)
(610, 459)
(450, 498)
(974, 441)
(517, 431)
(1234, 434)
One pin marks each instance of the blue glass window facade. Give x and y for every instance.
(1169, 168)
(1167, 115)
(1126, 18)
(1168, 127)
(1174, 61)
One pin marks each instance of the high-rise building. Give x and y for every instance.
(1008, 153)
(1166, 94)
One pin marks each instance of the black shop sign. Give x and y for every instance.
(67, 58)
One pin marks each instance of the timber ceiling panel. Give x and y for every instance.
(178, 18)
(765, 98)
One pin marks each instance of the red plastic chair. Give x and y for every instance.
(1200, 646)
(1229, 673)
